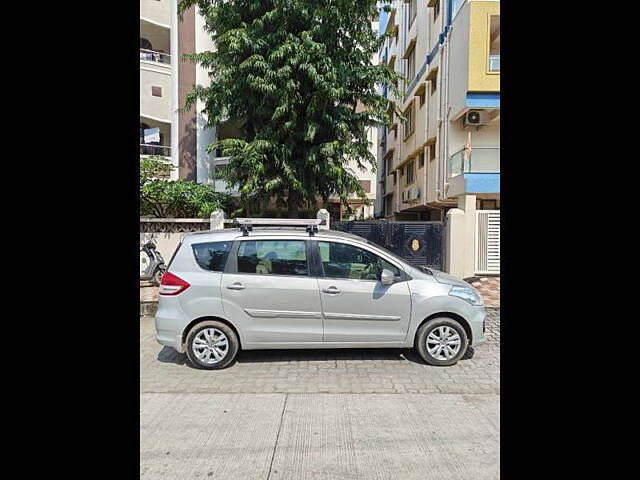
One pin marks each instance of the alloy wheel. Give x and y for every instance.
(210, 345)
(443, 343)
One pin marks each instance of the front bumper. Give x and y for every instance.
(477, 323)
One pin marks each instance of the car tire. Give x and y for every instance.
(436, 341)
(212, 333)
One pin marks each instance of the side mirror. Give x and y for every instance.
(387, 277)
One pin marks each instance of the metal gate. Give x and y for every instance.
(419, 243)
(487, 244)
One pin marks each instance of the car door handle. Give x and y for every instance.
(236, 286)
(331, 290)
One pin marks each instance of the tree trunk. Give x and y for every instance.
(292, 205)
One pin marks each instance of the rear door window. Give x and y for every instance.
(212, 256)
(273, 257)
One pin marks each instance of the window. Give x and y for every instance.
(432, 151)
(494, 43)
(402, 171)
(273, 257)
(436, 10)
(410, 172)
(434, 84)
(411, 65)
(346, 261)
(422, 97)
(421, 160)
(413, 10)
(156, 91)
(408, 123)
(211, 256)
(366, 185)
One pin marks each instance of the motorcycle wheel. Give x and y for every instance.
(157, 276)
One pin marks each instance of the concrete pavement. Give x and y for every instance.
(319, 436)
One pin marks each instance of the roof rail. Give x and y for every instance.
(246, 224)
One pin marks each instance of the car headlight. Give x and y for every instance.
(467, 294)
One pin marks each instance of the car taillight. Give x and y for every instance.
(171, 284)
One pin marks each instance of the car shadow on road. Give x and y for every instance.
(169, 355)
(319, 355)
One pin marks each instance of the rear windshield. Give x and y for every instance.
(212, 256)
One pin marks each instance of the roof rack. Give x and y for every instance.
(246, 224)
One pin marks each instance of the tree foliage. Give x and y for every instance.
(299, 76)
(164, 198)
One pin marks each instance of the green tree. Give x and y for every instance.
(163, 198)
(299, 76)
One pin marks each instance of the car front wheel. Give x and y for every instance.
(212, 345)
(441, 341)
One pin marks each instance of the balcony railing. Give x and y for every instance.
(162, 150)
(479, 160)
(494, 63)
(153, 56)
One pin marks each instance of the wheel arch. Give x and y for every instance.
(454, 316)
(198, 320)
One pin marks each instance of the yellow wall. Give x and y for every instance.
(479, 78)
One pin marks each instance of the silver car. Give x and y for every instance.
(263, 288)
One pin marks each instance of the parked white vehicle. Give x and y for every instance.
(264, 288)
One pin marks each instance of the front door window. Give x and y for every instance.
(340, 260)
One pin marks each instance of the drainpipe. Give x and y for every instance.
(445, 147)
(175, 58)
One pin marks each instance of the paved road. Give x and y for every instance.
(326, 414)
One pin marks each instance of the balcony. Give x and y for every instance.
(155, 57)
(479, 160)
(151, 149)
(478, 172)
(155, 87)
(494, 63)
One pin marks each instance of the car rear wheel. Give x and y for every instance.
(212, 345)
(441, 341)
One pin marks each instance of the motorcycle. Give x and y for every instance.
(155, 266)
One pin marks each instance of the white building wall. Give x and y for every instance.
(205, 136)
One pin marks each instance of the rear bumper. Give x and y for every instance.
(170, 339)
(170, 322)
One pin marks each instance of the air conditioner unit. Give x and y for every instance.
(414, 193)
(475, 118)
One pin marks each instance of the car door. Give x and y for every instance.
(356, 306)
(267, 287)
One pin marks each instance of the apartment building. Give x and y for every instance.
(164, 81)
(181, 137)
(445, 153)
